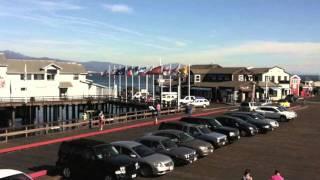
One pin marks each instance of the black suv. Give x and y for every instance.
(246, 129)
(90, 159)
(214, 125)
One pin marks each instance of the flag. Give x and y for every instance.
(121, 71)
(166, 71)
(142, 71)
(136, 71)
(129, 71)
(184, 70)
(175, 70)
(156, 71)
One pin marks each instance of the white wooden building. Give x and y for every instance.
(45, 78)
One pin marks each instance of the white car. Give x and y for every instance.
(13, 174)
(200, 103)
(248, 106)
(277, 112)
(187, 99)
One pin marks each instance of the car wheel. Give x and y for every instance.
(145, 171)
(108, 177)
(243, 133)
(283, 119)
(66, 172)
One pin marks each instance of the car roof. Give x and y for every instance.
(153, 138)
(170, 131)
(9, 172)
(230, 117)
(128, 144)
(85, 142)
(185, 124)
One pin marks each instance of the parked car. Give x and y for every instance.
(256, 115)
(246, 129)
(233, 134)
(187, 99)
(277, 112)
(11, 174)
(90, 159)
(263, 127)
(151, 163)
(183, 139)
(197, 131)
(248, 106)
(284, 103)
(201, 103)
(163, 145)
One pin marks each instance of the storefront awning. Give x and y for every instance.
(65, 84)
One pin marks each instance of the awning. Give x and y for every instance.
(65, 85)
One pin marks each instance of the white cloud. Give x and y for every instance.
(118, 8)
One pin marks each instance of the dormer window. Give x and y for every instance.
(197, 78)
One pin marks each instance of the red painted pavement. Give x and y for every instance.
(38, 174)
(144, 124)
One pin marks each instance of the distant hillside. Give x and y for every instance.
(92, 66)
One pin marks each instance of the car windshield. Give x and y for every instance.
(105, 151)
(16, 177)
(143, 151)
(214, 122)
(282, 109)
(185, 137)
(168, 144)
(204, 130)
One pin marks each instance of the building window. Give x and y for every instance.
(38, 77)
(50, 77)
(272, 79)
(76, 77)
(286, 78)
(266, 78)
(279, 78)
(22, 77)
(241, 78)
(227, 78)
(23, 89)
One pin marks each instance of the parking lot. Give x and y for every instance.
(292, 148)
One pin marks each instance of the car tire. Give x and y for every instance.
(283, 119)
(66, 173)
(146, 171)
(108, 177)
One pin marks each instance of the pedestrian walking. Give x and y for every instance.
(247, 175)
(276, 176)
(101, 119)
(158, 108)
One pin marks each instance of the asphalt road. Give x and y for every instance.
(292, 148)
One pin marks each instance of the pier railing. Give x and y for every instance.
(7, 134)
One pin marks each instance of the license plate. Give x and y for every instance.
(211, 150)
(223, 143)
(238, 137)
(171, 168)
(133, 175)
(195, 159)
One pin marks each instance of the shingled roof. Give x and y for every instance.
(259, 70)
(36, 66)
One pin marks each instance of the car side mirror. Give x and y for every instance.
(133, 155)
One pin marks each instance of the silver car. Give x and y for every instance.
(151, 163)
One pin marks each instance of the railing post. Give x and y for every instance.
(26, 129)
(6, 135)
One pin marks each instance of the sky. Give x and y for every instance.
(252, 33)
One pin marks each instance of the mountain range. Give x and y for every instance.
(91, 66)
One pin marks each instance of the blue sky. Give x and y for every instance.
(228, 32)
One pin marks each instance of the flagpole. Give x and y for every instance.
(179, 86)
(132, 79)
(126, 79)
(189, 81)
(120, 82)
(114, 78)
(139, 85)
(25, 82)
(109, 79)
(161, 78)
(153, 95)
(147, 82)
(170, 80)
